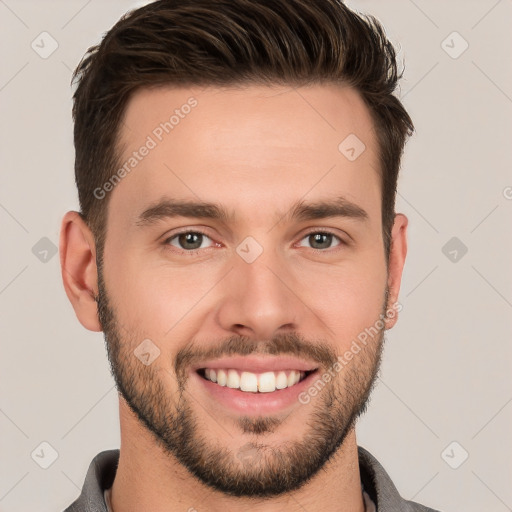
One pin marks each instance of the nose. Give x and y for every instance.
(260, 299)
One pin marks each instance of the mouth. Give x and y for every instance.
(249, 382)
(252, 394)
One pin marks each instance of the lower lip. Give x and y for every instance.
(250, 403)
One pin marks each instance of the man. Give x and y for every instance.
(236, 164)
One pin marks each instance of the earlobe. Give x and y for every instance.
(78, 269)
(397, 255)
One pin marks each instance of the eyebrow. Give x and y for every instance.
(300, 211)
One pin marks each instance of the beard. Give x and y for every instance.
(255, 470)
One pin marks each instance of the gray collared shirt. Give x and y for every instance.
(375, 480)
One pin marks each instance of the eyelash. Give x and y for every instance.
(194, 252)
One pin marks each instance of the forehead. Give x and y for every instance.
(250, 145)
(289, 115)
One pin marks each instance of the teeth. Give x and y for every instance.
(248, 381)
(281, 380)
(251, 382)
(266, 382)
(221, 377)
(233, 379)
(293, 378)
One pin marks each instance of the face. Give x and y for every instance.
(276, 270)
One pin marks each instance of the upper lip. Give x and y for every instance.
(256, 364)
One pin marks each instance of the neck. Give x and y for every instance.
(147, 478)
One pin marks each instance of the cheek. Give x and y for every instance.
(155, 299)
(347, 300)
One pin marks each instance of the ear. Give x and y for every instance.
(397, 254)
(78, 269)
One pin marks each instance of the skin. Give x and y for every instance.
(256, 150)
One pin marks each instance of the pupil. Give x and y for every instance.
(190, 238)
(318, 238)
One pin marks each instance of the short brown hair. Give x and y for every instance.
(226, 42)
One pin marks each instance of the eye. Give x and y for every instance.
(188, 240)
(192, 241)
(321, 240)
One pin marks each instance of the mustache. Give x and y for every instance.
(290, 344)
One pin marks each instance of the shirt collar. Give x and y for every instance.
(374, 478)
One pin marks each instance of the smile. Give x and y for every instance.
(266, 382)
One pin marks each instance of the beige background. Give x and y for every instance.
(447, 364)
